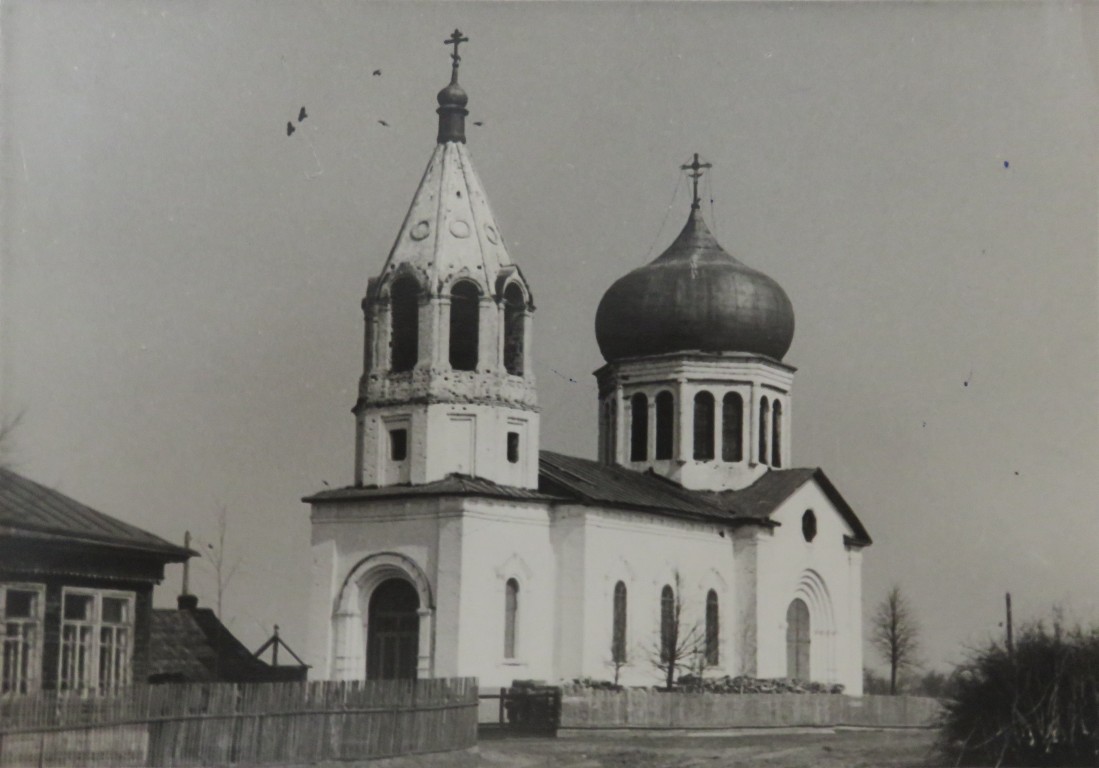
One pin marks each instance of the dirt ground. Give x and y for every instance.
(787, 749)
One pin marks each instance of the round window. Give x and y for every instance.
(809, 525)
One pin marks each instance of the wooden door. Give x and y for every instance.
(797, 640)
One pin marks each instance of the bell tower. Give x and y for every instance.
(447, 385)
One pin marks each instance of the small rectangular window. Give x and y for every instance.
(398, 444)
(513, 447)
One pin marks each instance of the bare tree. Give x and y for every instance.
(7, 427)
(225, 567)
(678, 646)
(616, 663)
(895, 634)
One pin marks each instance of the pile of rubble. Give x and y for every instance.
(745, 684)
(725, 684)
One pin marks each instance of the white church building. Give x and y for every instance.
(462, 549)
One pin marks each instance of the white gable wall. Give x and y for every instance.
(822, 573)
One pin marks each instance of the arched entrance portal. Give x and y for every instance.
(393, 631)
(797, 640)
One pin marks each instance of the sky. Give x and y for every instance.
(180, 280)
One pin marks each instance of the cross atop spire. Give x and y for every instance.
(695, 170)
(455, 39)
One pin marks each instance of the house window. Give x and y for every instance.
(464, 322)
(639, 427)
(398, 444)
(514, 307)
(665, 425)
(668, 628)
(776, 435)
(713, 637)
(513, 447)
(21, 608)
(764, 424)
(511, 617)
(404, 323)
(704, 427)
(96, 640)
(732, 427)
(618, 633)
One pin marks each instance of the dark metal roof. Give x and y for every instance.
(765, 495)
(28, 507)
(694, 296)
(452, 485)
(564, 478)
(590, 482)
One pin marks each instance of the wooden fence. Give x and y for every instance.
(227, 723)
(633, 708)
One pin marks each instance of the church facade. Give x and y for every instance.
(461, 548)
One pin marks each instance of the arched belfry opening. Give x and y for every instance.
(464, 325)
(514, 322)
(404, 314)
(393, 631)
(665, 425)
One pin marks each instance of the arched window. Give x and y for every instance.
(404, 323)
(514, 307)
(764, 428)
(776, 435)
(713, 637)
(639, 427)
(732, 427)
(704, 426)
(618, 633)
(665, 425)
(668, 628)
(464, 322)
(511, 617)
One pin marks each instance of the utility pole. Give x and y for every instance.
(186, 563)
(1010, 641)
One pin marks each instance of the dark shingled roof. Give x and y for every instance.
(583, 481)
(30, 510)
(192, 645)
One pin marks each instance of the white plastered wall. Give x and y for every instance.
(822, 573)
(645, 552)
(505, 540)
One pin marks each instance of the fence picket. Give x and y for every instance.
(197, 724)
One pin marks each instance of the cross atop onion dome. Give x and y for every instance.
(453, 99)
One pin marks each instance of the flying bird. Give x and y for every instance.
(302, 115)
(478, 122)
(383, 122)
(377, 73)
(289, 129)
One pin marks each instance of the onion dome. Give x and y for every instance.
(453, 99)
(694, 297)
